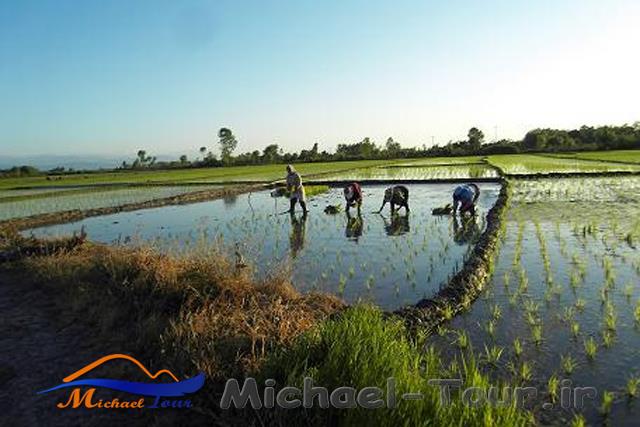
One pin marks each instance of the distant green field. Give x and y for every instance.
(622, 156)
(205, 175)
(428, 161)
(517, 164)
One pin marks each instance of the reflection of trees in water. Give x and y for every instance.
(298, 234)
(398, 225)
(465, 229)
(355, 224)
(230, 199)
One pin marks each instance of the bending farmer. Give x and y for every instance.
(466, 196)
(353, 196)
(295, 190)
(397, 195)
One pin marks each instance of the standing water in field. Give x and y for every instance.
(564, 302)
(389, 260)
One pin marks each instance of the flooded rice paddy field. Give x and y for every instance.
(417, 172)
(391, 261)
(99, 197)
(564, 301)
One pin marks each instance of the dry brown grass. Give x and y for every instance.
(200, 311)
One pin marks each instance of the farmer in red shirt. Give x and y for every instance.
(353, 196)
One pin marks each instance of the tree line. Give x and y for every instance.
(587, 138)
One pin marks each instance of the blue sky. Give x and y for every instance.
(110, 77)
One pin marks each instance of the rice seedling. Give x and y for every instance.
(491, 328)
(607, 403)
(496, 313)
(580, 304)
(610, 317)
(462, 340)
(578, 420)
(590, 348)
(492, 355)
(553, 384)
(536, 334)
(631, 387)
(628, 291)
(517, 347)
(568, 314)
(568, 364)
(575, 329)
(523, 372)
(607, 338)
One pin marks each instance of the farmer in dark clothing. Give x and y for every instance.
(353, 196)
(396, 195)
(465, 196)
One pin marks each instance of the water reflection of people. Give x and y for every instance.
(298, 233)
(398, 225)
(465, 229)
(354, 227)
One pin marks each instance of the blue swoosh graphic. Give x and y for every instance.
(180, 388)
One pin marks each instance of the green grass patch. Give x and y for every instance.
(360, 349)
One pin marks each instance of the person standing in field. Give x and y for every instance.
(466, 196)
(295, 190)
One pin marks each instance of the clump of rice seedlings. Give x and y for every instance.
(578, 421)
(462, 340)
(517, 347)
(553, 384)
(607, 338)
(491, 328)
(352, 272)
(610, 317)
(636, 312)
(536, 334)
(506, 278)
(632, 386)
(492, 355)
(513, 299)
(580, 304)
(523, 281)
(575, 329)
(341, 284)
(607, 403)
(496, 313)
(609, 273)
(568, 314)
(590, 348)
(523, 372)
(568, 364)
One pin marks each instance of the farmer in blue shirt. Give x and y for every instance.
(466, 196)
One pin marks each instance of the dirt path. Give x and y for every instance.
(40, 343)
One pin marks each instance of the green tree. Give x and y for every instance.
(228, 144)
(203, 150)
(183, 159)
(393, 148)
(270, 153)
(475, 138)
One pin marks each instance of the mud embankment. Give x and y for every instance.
(463, 288)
